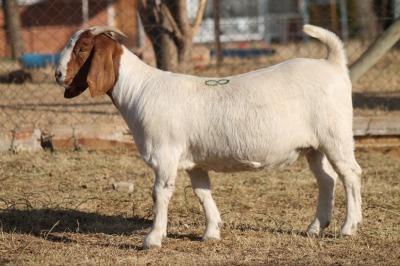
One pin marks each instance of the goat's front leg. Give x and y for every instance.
(201, 186)
(163, 189)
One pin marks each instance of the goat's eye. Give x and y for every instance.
(82, 50)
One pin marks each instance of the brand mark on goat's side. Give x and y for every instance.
(213, 82)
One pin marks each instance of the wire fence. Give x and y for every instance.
(251, 35)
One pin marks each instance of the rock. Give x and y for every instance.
(122, 186)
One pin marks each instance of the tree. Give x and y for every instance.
(367, 19)
(171, 32)
(13, 25)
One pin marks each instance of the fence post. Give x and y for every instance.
(374, 52)
(13, 23)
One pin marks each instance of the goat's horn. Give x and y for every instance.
(102, 29)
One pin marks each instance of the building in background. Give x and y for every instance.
(48, 24)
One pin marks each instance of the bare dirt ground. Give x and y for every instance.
(59, 209)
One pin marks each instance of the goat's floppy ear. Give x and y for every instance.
(101, 76)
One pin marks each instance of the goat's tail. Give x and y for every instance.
(336, 52)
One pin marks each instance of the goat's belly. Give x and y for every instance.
(231, 164)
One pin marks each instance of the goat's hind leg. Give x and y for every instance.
(326, 179)
(202, 188)
(350, 174)
(349, 171)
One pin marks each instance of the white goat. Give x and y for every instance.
(262, 119)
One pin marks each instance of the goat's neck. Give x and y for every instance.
(133, 75)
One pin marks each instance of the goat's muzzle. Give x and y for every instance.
(70, 91)
(58, 75)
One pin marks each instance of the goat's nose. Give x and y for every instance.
(58, 75)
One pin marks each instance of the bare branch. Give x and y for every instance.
(199, 17)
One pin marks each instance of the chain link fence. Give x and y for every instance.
(251, 35)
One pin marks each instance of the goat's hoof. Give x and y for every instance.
(151, 243)
(207, 238)
(313, 231)
(151, 246)
(145, 247)
(211, 234)
(348, 230)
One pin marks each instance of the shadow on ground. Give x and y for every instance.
(43, 221)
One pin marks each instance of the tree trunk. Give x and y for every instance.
(168, 27)
(367, 19)
(185, 42)
(13, 25)
(160, 34)
(185, 56)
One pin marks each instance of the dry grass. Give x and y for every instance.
(59, 209)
